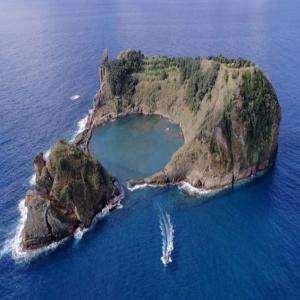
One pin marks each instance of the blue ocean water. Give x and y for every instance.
(243, 244)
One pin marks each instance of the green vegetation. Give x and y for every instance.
(186, 67)
(156, 68)
(226, 76)
(78, 177)
(226, 124)
(231, 62)
(199, 84)
(257, 109)
(120, 72)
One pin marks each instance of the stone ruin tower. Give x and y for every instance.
(102, 67)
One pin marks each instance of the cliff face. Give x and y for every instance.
(227, 109)
(71, 188)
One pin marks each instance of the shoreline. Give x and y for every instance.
(194, 191)
(13, 244)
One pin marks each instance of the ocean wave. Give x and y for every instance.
(13, 247)
(33, 176)
(191, 190)
(32, 179)
(75, 97)
(145, 185)
(80, 127)
(137, 187)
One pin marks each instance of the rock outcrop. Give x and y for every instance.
(227, 109)
(71, 188)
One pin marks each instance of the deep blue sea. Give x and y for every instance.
(240, 244)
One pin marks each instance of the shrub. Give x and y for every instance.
(256, 113)
(120, 72)
(226, 76)
(163, 75)
(185, 67)
(226, 124)
(199, 84)
(231, 62)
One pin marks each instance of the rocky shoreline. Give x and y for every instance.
(230, 134)
(71, 189)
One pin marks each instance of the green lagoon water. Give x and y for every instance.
(136, 146)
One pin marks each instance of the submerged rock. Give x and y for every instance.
(71, 188)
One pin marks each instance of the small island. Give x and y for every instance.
(71, 188)
(227, 109)
(228, 112)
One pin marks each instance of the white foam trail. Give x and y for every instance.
(74, 97)
(167, 233)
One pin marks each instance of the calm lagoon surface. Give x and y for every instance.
(241, 244)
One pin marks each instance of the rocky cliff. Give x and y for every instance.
(71, 188)
(227, 109)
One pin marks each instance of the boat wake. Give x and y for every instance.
(167, 233)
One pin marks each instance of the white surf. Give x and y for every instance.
(75, 97)
(80, 127)
(13, 244)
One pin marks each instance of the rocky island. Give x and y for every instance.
(228, 112)
(227, 109)
(71, 188)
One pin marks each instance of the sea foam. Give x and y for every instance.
(13, 247)
(75, 97)
(191, 190)
(81, 124)
(13, 244)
